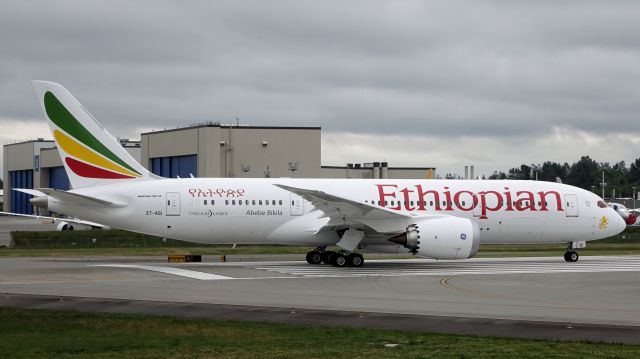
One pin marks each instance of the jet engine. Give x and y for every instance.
(441, 238)
(64, 226)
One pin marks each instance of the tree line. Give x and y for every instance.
(585, 173)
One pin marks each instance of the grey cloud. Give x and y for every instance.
(505, 70)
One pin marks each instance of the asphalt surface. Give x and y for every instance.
(514, 297)
(595, 299)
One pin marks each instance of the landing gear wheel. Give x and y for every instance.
(314, 257)
(326, 256)
(355, 260)
(571, 256)
(338, 260)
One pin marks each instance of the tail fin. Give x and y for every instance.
(90, 154)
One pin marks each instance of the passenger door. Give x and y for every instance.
(173, 204)
(571, 203)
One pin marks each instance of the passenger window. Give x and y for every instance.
(233, 202)
(260, 202)
(280, 202)
(205, 201)
(213, 202)
(226, 202)
(253, 202)
(273, 202)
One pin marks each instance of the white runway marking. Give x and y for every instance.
(170, 270)
(479, 266)
(412, 267)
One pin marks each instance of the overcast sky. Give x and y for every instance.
(415, 83)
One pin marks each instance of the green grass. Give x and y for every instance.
(123, 243)
(62, 334)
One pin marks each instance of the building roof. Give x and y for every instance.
(370, 168)
(240, 127)
(29, 141)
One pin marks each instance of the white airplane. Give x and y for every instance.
(630, 215)
(441, 219)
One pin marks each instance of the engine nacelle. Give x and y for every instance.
(64, 226)
(441, 238)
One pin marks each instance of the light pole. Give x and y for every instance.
(603, 185)
(634, 197)
(593, 189)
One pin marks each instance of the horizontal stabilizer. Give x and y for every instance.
(80, 199)
(33, 192)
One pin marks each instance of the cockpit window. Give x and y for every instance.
(601, 204)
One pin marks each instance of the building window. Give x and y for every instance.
(175, 166)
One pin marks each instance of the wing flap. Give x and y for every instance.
(335, 206)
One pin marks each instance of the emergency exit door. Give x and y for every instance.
(297, 205)
(173, 204)
(571, 205)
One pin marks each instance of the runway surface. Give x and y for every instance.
(595, 291)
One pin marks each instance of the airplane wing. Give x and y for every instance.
(342, 210)
(56, 219)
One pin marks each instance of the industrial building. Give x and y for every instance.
(204, 150)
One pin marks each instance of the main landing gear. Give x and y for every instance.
(571, 255)
(336, 259)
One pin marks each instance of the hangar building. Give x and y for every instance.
(204, 150)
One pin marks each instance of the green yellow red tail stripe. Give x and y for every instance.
(114, 165)
(83, 153)
(86, 170)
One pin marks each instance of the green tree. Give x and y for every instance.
(549, 171)
(634, 171)
(520, 173)
(584, 173)
(498, 175)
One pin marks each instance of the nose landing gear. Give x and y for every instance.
(571, 255)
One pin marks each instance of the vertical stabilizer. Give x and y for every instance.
(90, 154)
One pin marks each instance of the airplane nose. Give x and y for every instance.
(621, 225)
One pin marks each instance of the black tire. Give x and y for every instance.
(326, 256)
(338, 260)
(355, 260)
(571, 256)
(314, 257)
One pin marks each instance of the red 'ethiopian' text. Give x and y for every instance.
(416, 198)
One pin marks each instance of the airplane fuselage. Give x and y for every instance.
(253, 211)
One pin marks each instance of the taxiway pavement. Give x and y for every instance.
(596, 291)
